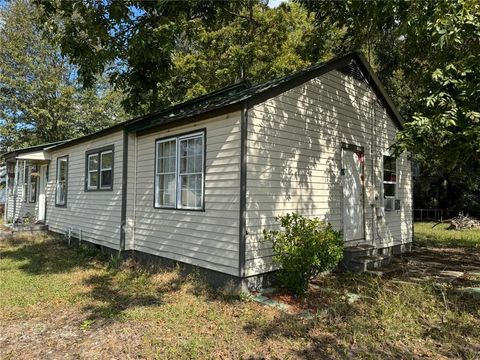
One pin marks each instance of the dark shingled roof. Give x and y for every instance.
(239, 95)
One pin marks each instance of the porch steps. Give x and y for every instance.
(362, 258)
(23, 228)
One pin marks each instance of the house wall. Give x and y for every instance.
(22, 208)
(294, 147)
(96, 214)
(209, 238)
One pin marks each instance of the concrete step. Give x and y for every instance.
(353, 252)
(371, 262)
(362, 263)
(34, 227)
(359, 249)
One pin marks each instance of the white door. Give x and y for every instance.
(353, 216)
(41, 193)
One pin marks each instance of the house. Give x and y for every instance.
(198, 182)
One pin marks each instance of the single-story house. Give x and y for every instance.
(198, 182)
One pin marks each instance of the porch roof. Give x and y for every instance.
(37, 152)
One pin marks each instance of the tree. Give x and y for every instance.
(256, 45)
(427, 54)
(131, 40)
(40, 100)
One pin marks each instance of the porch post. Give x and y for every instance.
(15, 192)
(5, 209)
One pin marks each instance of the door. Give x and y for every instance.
(41, 193)
(353, 209)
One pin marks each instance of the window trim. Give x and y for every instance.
(161, 141)
(389, 182)
(66, 181)
(177, 138)
(99, 151)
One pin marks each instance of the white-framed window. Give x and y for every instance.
(32, 186)
(180, 172)
(389, 177)
(92, 172)
(166, 174)
(106, 169)
(61, 181)
(99, 169)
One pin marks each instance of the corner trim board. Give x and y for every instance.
(123, 213)
(243, 191)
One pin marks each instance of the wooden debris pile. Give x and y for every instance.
(463, 222)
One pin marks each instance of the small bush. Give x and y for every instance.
(305, 248)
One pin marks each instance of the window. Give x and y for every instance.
(389, 176)
(62, 181)
(24, 178)
(99, 169)
(166, 186)
(32, 191)
(179, 172)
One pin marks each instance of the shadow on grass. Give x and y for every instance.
(458, 258)
(111, 299)
(47, 255)
(324, 341)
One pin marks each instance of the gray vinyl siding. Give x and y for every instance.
(209, 238)
(294, 145)
(94, 214)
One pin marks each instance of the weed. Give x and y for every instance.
(114, 261)
(86, 324)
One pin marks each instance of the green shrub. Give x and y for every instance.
(303, 249)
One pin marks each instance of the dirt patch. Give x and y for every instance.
(61, 337)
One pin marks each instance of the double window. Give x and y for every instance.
(99, 169)
(389, 177)
(61, 181)
(179, 172)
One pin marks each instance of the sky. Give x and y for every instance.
(274, 3)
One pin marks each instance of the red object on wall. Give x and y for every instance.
(360, 156)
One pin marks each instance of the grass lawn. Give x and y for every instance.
(68, 302)
(439, 236)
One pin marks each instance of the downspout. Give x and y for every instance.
(374, 175)
(243, 191)
(134, 222)
(412, 198)
(123, 215)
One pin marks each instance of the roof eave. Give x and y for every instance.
(380, 91)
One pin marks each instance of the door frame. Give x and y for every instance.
(355, 149)
(42, 193)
